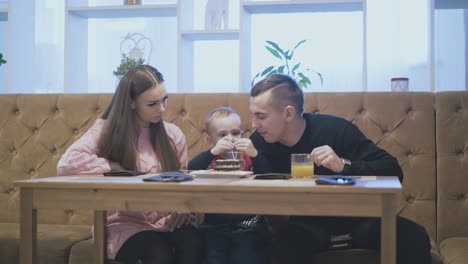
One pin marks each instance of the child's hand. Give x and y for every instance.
(222, 145)
(246, 145)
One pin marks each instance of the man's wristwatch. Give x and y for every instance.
(346, 166)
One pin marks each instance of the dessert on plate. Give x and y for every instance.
(227, 165)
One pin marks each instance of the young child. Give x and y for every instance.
(230, 239)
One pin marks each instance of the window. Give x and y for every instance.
(333, 46)
(355, 45)
(451, 57)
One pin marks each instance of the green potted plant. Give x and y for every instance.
(126, 63)
(2, 61)
(287, 65)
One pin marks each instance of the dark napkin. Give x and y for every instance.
(170, 176)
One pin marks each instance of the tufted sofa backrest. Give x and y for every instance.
(404, 125)
(35, 130)
(452, 164)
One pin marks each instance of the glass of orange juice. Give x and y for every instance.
(301, 166)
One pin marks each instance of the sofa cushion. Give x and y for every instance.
(53, 242)
(454, 250)
(82, 252)
(452, 164)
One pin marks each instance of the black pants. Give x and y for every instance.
(182, 246)
(304, 237)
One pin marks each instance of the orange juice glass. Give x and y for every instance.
(301, 166)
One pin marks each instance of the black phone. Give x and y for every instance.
(123, 173)
(272, 176)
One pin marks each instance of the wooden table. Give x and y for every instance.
(371, 196)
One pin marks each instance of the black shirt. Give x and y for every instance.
(341, 135)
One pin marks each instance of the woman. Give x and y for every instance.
(132, 135)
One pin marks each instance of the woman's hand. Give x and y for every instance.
(115, 166)
(177, 220)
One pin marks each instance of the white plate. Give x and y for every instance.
(220, 174)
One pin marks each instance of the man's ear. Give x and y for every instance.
(289, 113)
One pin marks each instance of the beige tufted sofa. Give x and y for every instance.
(427, 132)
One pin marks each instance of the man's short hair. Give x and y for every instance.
(284, 89)
(220, 112)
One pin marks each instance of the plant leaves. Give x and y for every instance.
(305, 81)
(267, 70)
(271, 73)
(295, 47)
(127, 63)
(320, 76)
(295, 68)
(287, 55)
(274, 52)
(299, 43)
(276, 46)
(255, 77)
(295, 72)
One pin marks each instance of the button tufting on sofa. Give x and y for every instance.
(7, 190)
(460, 196)
(410, 199)
(69, 212)
(434, 193)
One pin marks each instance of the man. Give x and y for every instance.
(336, 146)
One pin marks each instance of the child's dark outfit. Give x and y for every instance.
(230, 238)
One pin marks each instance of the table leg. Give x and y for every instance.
(28, 227)
(100, 245)
(388, 229)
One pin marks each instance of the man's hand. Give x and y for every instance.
(176, 220)
(326, 156)
(246, 145)
(222, 145)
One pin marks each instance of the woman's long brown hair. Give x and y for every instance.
(119, 141)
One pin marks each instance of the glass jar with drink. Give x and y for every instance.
(301, 166)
